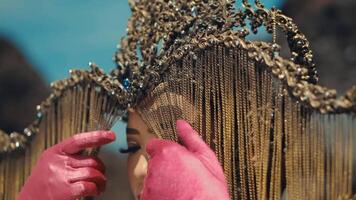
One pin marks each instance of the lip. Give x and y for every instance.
(138, 191)
(138, 194)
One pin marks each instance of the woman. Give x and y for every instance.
(192, 173)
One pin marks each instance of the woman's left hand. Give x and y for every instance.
(181, 172)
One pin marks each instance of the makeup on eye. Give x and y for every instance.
(130, 149)
(132, 144)
(132, 131)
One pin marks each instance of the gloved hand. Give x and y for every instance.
(187, 172)
(62, 174)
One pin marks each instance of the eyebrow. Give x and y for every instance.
(132, 131)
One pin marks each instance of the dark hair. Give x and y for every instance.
(331, 30)
(21, 89)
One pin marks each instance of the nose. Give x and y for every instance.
(140, 173)
(141, 168)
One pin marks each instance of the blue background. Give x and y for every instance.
(57, 35)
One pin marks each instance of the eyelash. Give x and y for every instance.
(132, 149)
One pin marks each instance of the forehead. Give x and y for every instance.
(135, 123)
(134, 118)
(137, 130)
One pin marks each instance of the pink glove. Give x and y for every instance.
(62, 174)
(186, 172)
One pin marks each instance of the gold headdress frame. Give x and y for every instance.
(87, 101)
(95, 81)
(272, 127)
(272, 132)
(166, 36)
(157, 28)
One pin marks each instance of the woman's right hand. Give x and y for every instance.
(61, 173)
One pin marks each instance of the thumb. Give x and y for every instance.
(82, 141)
(190, 138)
(192, 141)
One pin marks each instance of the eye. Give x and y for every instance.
(131, 149)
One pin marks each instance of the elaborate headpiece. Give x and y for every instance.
(273, 128)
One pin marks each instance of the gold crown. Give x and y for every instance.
(161, 31)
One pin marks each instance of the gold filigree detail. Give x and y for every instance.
(79, 79)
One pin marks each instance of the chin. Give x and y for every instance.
(137, 191)
(137, 195)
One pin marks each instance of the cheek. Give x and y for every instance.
(137, 170)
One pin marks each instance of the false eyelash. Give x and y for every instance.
(131, 149)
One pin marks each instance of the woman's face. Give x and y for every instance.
(138, 135)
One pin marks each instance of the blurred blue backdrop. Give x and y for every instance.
(58, 35)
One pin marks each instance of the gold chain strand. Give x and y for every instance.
(218, 103)
(263, 110)
(351, 139)
(346, 158)
(303, 155)
(201, 61)
(326, 127)
(324, 171)
(215, 106)
(191, 112)
(72, 102)
(246, 144)
(240, 150)
(246, 120)
(233, 63)
(248, 132)
(281, 122)
(230, 112)
(208, 107)
(313, 153)
(343, 173)
(287, 150)
(278, 192)
(332, 154)
(255, 128)
(168, 112)
(266, 113)
(247, 129)
(338, 159)
(273, 144)
(2, 177)
(258, 115)
(223, 69)
(322, 161)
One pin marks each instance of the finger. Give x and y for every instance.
(156, 146)
(89, 175)
(84, 189)
(192, 141)
(82, 141)
(190, 138)
(80, 161)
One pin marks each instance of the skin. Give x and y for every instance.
(138, 135)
